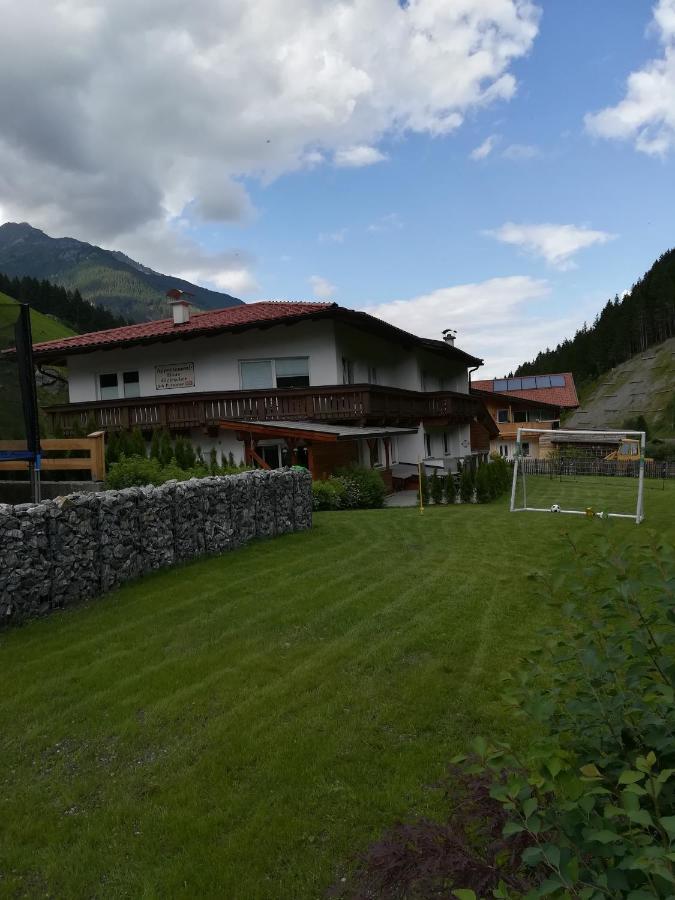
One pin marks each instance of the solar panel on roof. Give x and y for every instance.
(543, 381)
(557, 381)
(500, 384)
(513, 384)
(529, 383)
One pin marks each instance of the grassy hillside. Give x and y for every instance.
(45, 328)
(642, 386)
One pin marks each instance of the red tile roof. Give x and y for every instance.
(235, 318)
(557, 396)
(230, 318)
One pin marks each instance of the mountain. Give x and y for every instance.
(106, 278)
(643, 318)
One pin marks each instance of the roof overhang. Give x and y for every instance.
(311, 431)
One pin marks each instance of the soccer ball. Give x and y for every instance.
(555, 508)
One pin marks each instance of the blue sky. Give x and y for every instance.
(360, 168)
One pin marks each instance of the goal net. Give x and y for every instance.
(591, 473)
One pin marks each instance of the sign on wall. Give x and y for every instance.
(174, 375)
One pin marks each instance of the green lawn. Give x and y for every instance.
(239, 727)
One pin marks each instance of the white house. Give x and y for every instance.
(275, 382)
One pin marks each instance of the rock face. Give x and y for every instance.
(75, 548)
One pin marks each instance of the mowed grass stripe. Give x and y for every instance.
(244, 744)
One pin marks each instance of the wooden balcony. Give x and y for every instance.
(357, 403)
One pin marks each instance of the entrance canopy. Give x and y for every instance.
(313, 431)
(327, 448)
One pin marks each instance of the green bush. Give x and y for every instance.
(466, 485)
(424, 489)
(328, 494)
(436, 486)
(364, 488)
(595, 792)
(136, 471)
(352, 488)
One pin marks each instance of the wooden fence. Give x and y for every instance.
(83, 454)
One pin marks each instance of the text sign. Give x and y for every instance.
(174, 375)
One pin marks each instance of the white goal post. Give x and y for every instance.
(573, 473)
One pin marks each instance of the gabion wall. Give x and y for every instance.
(74, 548)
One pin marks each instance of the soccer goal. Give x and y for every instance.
(582, 473)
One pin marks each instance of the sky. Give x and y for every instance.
(500, 167)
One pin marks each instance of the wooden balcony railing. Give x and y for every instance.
(355, 403)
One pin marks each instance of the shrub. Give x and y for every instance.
(484, 484)
(328, 494)
(595, 793)
(165, 448)
(423, 489)
(466, 485)
(436, 485)
(134, 471)
(450, 489)
(364, 488)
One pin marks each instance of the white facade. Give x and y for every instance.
(336, 353)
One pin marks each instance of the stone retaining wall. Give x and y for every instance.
(74, 548)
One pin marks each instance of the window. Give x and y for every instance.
(502, 415)
(347, 371)
(132, 387)
(520, 415)
(107, 385)
(262, 374)
(525, 447)
(256, 374)
(292, 372)
(427, 445)
(446, 442)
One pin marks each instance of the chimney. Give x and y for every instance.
(180, 307)
(181, 312)
(449, 335)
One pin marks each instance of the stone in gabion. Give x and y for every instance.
(120, 537)
(74, 544)
(73, 548)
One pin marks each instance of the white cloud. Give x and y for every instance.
(646, 114)
(390, 222)
(141, 111)
(557, 244)
(502, 320)
(358, 156)
(482, 151)
(333, 237)
(517, 152)
(322, 287)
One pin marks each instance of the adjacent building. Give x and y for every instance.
(536, 401)
(276, 383)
